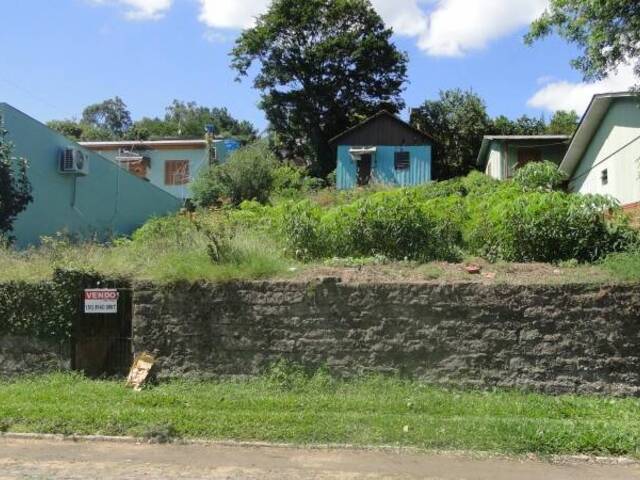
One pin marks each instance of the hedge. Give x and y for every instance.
(44, 310)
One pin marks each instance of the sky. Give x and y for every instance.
(59, 56)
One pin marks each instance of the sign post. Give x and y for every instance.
(103, 300)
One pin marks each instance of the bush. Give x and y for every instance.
(247, 175)
(547, 227)
(393, 224)
(294, 182)
(540, 177)
(173, 230)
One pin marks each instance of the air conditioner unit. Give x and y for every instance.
(74, 161)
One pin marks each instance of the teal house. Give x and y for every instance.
(382, 149)
(76, 191)
(171, 164)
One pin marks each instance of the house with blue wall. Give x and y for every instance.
(382, 149)
(172, 164)
(76, 191)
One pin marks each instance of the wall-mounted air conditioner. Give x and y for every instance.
(73, 161)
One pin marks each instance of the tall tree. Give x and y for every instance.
(110, 115)
(607, 31)
(323, 63)
(457, 120)
(15, 188)
(563, 123)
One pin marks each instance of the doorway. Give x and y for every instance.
(101, 343)
(364, 170)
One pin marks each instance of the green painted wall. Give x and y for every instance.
(615, 147)
(550, 150)
(108, 201)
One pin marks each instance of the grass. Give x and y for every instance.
(623, 266)
(159, 259)
(303, 410)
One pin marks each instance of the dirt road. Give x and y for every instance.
(45, 459)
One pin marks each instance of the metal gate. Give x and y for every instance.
(101, 342)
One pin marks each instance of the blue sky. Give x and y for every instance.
(59, 56)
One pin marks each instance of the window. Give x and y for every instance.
(402, 161)
(176, 172)
(605, 177)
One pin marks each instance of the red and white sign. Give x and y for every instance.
(103, 300)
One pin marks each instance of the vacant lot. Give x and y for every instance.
(288, 406)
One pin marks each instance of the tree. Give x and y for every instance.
(15, 188)
(563, 123)
(111, 116)
(110, 120)
(607, 31)
(69, 128)
(524, 125)
(323, 64)
(457, 120)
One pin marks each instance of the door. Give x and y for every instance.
(102, 342)
(364, 170)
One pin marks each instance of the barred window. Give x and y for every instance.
(402, 161)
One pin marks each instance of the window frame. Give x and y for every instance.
(402, 164)
(172, 175)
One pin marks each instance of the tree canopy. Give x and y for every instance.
(323, 65)
(15, 188)
(563, 123)
(110, 116)
(111, 120)
(607, 32)
(457, 120)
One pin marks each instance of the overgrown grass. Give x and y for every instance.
(159, 257)
(624, 266)
(303, 410)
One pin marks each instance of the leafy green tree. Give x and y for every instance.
(111, 116)
(457, 120)
(524, 125)
(323, 65)
(69, 128)
(247, 175)
(110, 120)
(563, 123)
(15, 188)
(188, 120)
(607, 31)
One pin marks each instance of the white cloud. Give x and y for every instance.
(459, 26)
(231, 13)
(140, 9)
(563, 95)
(440, 27)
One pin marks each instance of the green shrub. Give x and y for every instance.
(540, 177)
(393, 224)
(294, 182)
(46, 309)
(247, 175)
(546, 227)
(173, 230)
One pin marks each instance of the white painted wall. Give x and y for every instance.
(494, 164)
(616, 148)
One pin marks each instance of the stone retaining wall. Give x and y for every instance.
(558, 339)
(23, 355)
